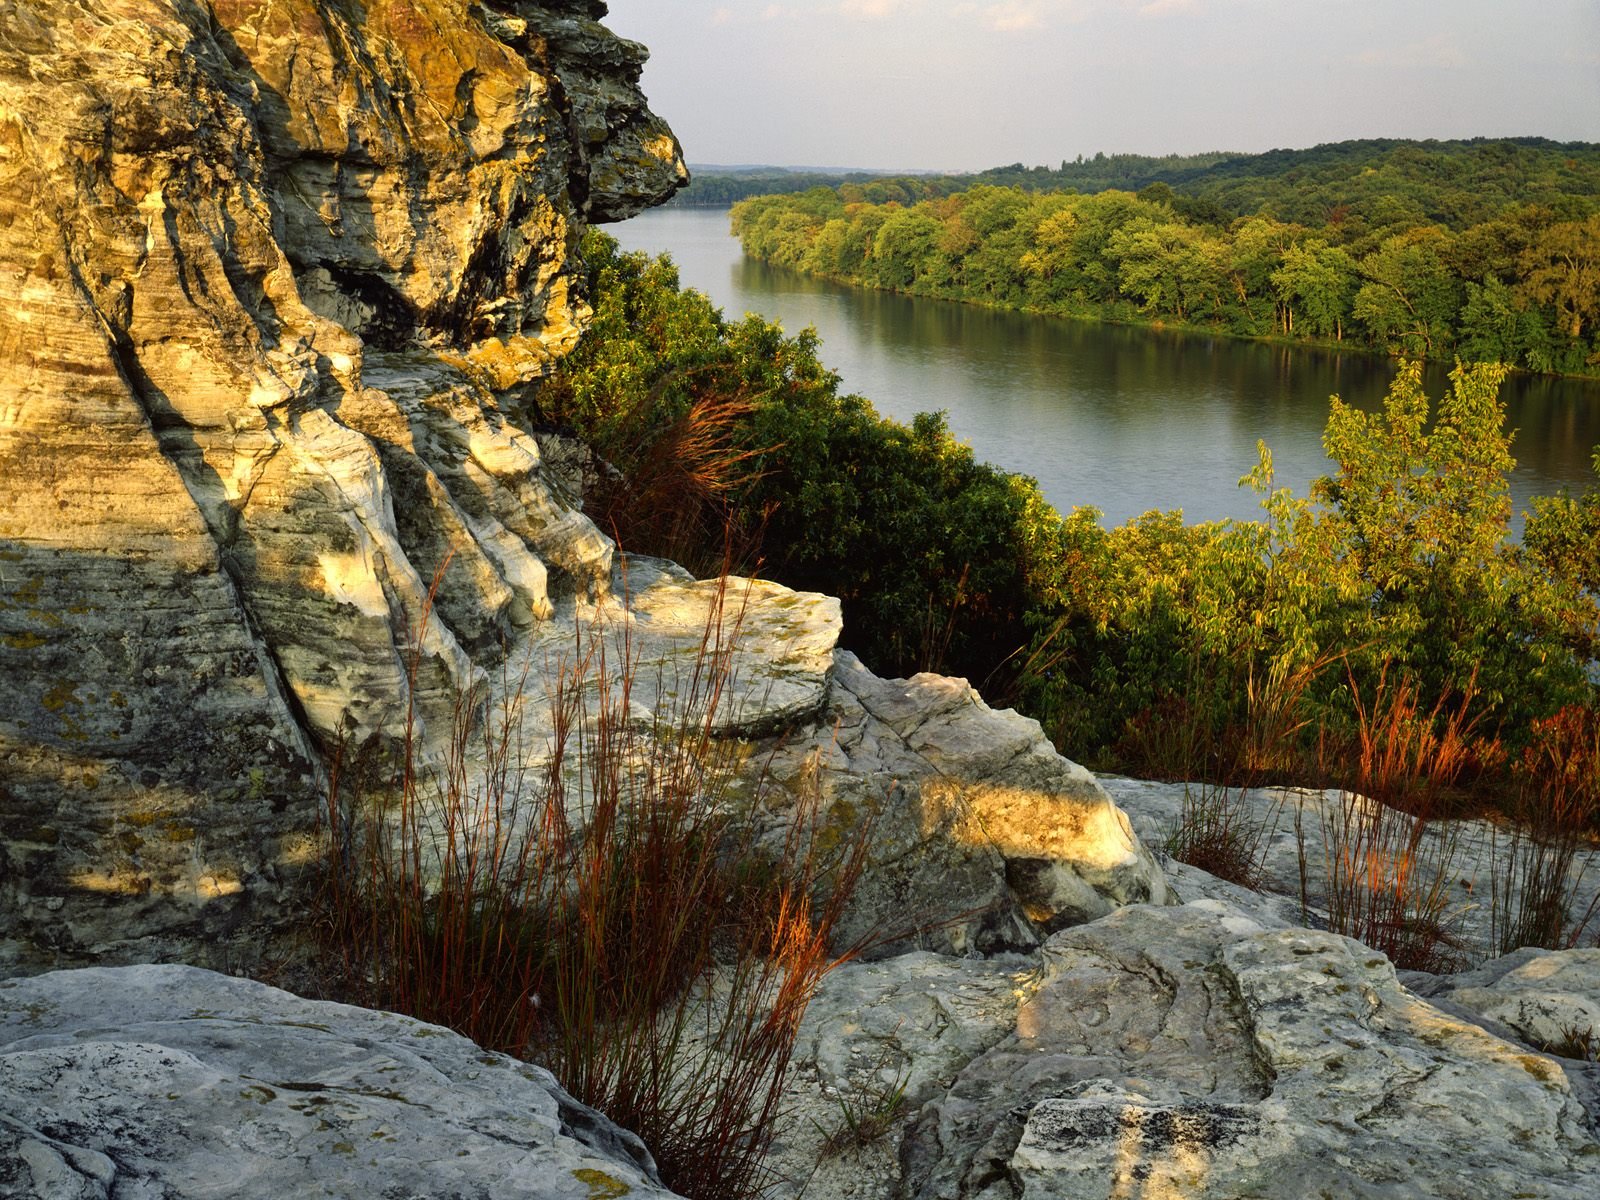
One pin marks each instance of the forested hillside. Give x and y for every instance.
(1486, 251)
(1374, 179)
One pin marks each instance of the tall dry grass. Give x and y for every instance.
(1555, 808)
(1388, 879)
(1216, 830)
(675, 494)
(604, 915)
(1389, 864)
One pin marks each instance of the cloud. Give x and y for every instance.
(1009, 16)
(874, 10)
(1015, 15)
(1438, 52)
(1000, 16)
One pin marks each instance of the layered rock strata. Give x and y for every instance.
(272, 276)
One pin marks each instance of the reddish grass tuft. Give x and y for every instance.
(1216, 832)
(1410, 758)
(610, 921)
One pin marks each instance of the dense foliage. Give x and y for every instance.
(1423, 254)
(720, 187)
(1170, 647)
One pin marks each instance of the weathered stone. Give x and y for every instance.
(172, 1081)
(880, 1040)
(1189, 1052)
(273, 277)
(1550, 999)
(984, 839)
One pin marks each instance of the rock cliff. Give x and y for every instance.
(277, 278)
(273, 274)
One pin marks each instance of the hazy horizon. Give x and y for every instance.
(958, 85)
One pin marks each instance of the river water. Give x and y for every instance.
(1124, 419)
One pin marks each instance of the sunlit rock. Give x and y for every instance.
(983, 838)
(272, 275)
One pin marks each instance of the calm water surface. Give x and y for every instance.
(1124, 419)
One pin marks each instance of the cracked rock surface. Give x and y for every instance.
(173, 1081)
(1189, 1052)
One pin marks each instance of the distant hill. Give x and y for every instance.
(1455, 183)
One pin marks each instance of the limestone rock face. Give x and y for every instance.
(270, 275)
(173, 1081)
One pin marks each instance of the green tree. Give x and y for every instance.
(1563, 269)
(906, 248)
(1318, 281)
(1410, 296)
(1171, 269)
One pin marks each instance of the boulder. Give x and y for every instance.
(983, 838)
(174, 1081)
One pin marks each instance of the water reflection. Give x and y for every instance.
(1125, 419)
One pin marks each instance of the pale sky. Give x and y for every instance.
(968, 84)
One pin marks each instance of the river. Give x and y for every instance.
(1121, 418)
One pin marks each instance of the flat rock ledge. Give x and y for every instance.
(169, 1081)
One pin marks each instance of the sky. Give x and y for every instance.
(968, 84)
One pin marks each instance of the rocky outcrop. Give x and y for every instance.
(1183, 1051)
(984, 838)
(172, 1081)
(279, 280)
(273, 277)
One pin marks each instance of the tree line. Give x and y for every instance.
(1380, 270)
(1373, 182)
